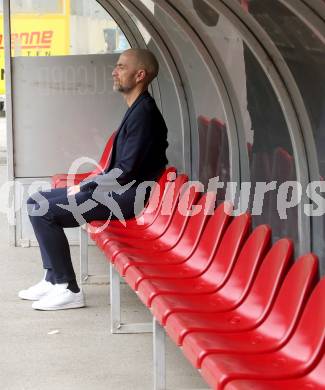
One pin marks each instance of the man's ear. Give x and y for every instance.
(141, 75)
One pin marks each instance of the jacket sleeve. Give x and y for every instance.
(139, 139)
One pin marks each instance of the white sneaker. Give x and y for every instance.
(60, 298)
(36, 292)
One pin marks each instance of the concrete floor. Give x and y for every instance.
(82, 355)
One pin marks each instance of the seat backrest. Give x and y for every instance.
(268, 280)
(105, 158)
(223, 260)
(168, 176)
(249, 260)
(172, 193)
(160, 192)
(295, 290)
(308, 341)
(150, 212)
(317, 374)
(187, 200)
(201, 225)
(167, 209)
(283, 165)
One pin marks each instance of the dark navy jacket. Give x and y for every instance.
(139, 148)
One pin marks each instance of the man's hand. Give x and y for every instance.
(73, 190)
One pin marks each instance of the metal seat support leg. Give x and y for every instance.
(115, 299)
(84, 273)
(159, 356)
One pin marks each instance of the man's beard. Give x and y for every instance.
(117, 87)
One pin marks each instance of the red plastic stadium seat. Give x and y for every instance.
(148, 238)
(273, 332)
(251, 312)
(186, 247)
(151, 210)
(214, 277)
(313, 380)
(189, 268)
(156, 229)
(233, 291)
(144, 238)
(139, 225)
(299, 356)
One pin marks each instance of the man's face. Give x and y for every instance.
(125, 74)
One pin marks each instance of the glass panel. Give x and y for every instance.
(271, 156)
(207, 106)
(265, 129)
(150, 5)
(304, 54)
(144, 32)
(63, 27)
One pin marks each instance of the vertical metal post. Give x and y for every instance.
(83, 255)
(159, 356)
(9, 111)
(109, 280)
(115, 299)
(117, 327)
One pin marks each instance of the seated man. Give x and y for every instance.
(138, 154)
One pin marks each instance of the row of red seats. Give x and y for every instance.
(236, 304)
(243, 313)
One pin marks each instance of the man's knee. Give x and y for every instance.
(37, 205)
(31, 199)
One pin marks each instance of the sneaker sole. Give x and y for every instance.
(61, 307)
(26, 298)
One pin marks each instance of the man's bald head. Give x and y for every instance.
(146, 60)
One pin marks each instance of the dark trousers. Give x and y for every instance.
(48, 225)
